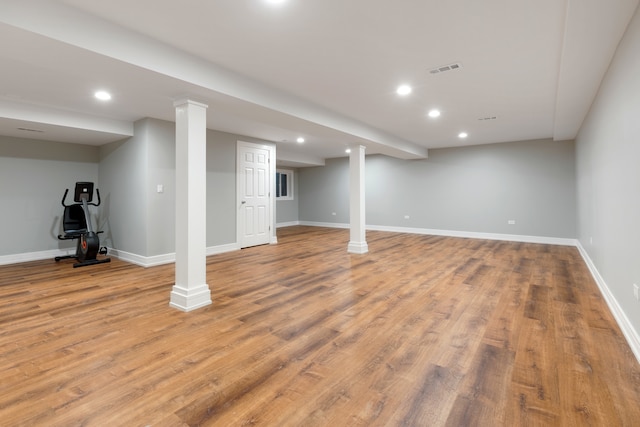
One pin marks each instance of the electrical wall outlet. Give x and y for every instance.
(511, 222)
(406, 217)
(635, 292)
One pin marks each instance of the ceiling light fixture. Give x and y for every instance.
(463, 135)
(275, 1)
(300, 140)
(403, 90)
(348, 150)
(103, 95)
(434, 113)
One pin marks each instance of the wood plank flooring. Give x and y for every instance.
(422, 331)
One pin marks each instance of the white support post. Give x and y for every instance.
(191, 290)
(358, 241)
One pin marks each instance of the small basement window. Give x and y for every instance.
(284, 184)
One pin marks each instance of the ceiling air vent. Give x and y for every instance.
(445, 68)
(31, 130)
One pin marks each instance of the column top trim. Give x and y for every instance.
(183, 101)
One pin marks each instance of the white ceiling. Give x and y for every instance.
(325, 70)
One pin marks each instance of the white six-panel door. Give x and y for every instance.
(254, 194)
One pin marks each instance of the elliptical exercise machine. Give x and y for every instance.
(76, 224)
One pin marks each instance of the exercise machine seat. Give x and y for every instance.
(74, 222)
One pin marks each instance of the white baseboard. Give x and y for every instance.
(625, 325)
(287, 224)
(141, 260)
(324, 224)
(452, 233)
(220, 249)
(169, 258)
(34, 256)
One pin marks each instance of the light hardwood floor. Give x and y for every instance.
(422, 331)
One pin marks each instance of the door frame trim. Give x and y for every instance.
(271, 148)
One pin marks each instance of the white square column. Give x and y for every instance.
(358, 241)
(191, 290)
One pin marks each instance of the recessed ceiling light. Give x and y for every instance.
(103, 95)
(348, 150)
(300, 140)
(275, 1)
(404, 90)
(463, 135)
(434, 113)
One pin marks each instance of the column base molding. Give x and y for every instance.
(358, 248)
(190, 299)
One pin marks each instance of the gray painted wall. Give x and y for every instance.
(123, 184)
(135, 217)
(221, 187)
(474, 189)
(33, 177)
(161, 212)
(141, 220)
(608, 176)
(324, 191)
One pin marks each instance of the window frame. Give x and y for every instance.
(289, 174)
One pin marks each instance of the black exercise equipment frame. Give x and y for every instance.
(77, 225)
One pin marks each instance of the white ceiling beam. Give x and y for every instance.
(286, 158)
(56, 117)
(593, 30)
(72, 26)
